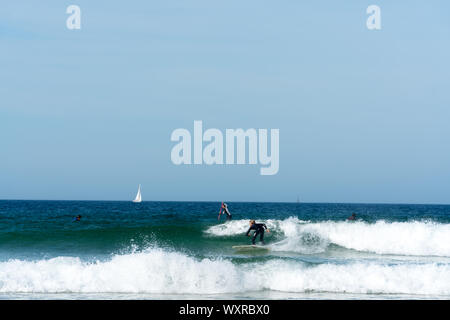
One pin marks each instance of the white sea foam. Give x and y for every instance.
(405, 238)
(401, 238)
(152, 271)
(236, 227)
(167, 272)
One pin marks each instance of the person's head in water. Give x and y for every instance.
(78, 218)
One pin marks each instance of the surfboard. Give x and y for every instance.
(252, 247)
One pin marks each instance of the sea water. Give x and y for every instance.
(179, 250)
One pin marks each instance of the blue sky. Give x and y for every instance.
(363, 115)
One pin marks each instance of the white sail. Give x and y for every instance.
(138, 196)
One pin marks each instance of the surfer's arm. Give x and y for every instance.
(248, 231)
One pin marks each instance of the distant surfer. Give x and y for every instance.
(259, 230)
(224, 208)
(77, 218)
(352, 217)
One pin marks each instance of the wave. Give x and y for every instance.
(417, 238)
(167, 272)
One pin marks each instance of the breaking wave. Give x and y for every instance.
(167, 272)
(416, 238)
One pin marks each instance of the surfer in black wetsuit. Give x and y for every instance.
(259, 230)
(224, 208)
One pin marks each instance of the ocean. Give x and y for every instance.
(179, 250)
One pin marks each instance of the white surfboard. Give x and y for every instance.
(252, 247)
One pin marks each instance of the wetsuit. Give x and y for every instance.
(225, 209)
(259, 230)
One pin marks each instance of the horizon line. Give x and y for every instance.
(294, 202)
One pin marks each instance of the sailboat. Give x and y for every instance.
(138, 196)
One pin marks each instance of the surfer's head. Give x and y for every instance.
(252, 222)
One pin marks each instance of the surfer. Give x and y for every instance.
(352, 217)
(77, 218)
(259, 230)
(224, 207)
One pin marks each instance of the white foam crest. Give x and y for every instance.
(367, 278)
(404, 238)
(151, 271)
(417, 238)
(238, 227)
(299, 237)
(164, 272)
(228, 228)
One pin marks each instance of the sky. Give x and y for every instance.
(363, 115)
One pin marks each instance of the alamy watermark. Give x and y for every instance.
(73, 22)
(373, 22)
(235, 139)
(235, 144)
